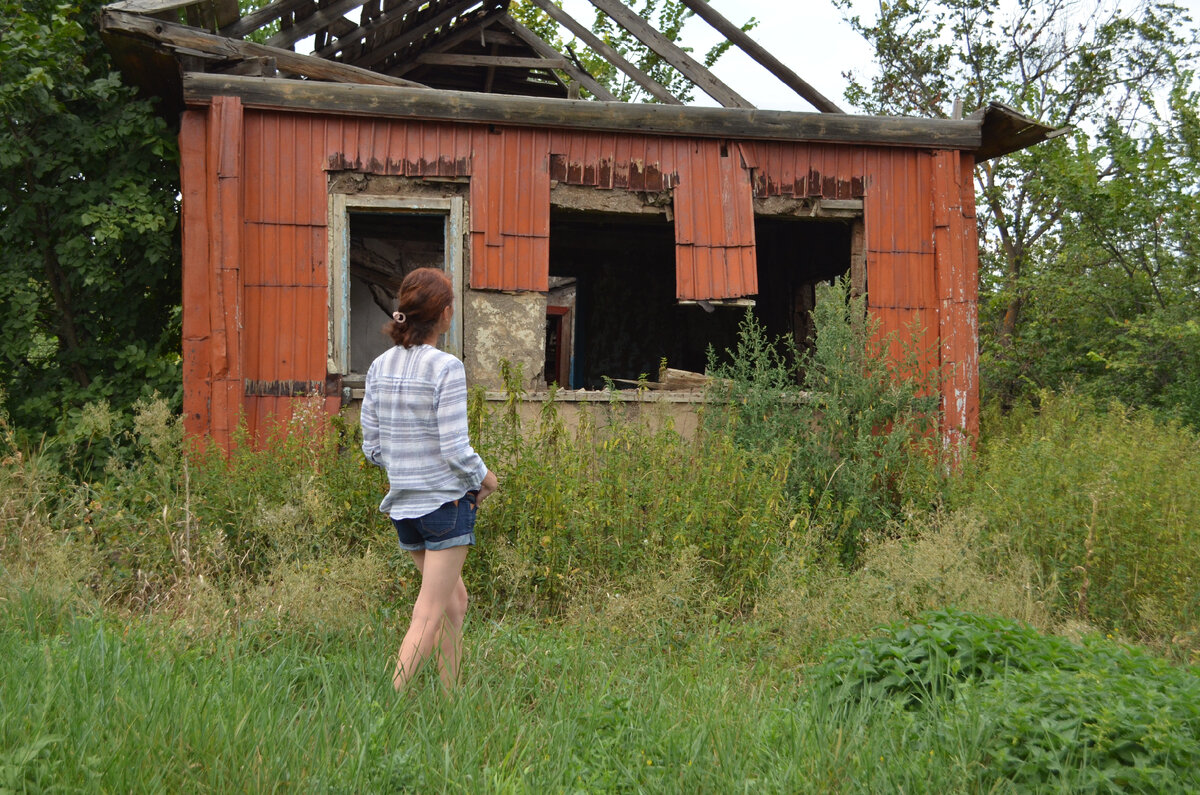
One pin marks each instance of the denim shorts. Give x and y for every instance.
(452, 525)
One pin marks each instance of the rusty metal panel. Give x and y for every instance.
(510, 210)
(714, 223)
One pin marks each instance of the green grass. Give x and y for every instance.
(94, 704)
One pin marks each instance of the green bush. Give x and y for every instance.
(1106, 502)
(859, 430)
(1094, 717)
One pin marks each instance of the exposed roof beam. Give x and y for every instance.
(615, 58)
(626, 117)
(705, 80)
(389, 17)
(381, 52)
(760, 54)
(503, 61)
(311, 24)
(545, 50)
(460, 34)
(150, 6)
(263, 16)
(177, 36)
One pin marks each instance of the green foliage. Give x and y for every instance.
(859, 433)
(1089, 258)
(89, 262)
(1093, 717)
(1106, 503)
(618, 496)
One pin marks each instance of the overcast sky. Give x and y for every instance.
(809, 36)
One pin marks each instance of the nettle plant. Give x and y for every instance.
(858, 423)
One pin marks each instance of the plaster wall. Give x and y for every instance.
(508, 326)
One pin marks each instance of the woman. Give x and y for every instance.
(414, 424)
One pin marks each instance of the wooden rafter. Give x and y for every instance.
(322, 18)
(461, 33)
(545, 50)
(615, 58)
(384, 24)
(758, 53)
(705, 80)
(186, 39)
(262, 17)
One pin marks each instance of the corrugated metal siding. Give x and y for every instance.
(714, 222)
(510, 211)
(255, 236)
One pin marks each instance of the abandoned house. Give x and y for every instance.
(587, 239)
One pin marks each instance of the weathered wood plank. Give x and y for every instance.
(684, 120)
(263, 16)
(705, 80)
(311, 24)
(453, 59)
(150, 6)
(760, 54)
(381, 52)
(462, 33)
(545, 50)
(615, 58)
(173, 35)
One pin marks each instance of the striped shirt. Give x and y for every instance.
(414, 425)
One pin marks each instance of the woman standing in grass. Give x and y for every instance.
(414, 423)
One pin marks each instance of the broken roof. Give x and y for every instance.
(471, 60)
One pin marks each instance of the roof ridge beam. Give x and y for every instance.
(656, 89)
(666, 49)
(759, 53)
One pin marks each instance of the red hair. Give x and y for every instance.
(423, 297)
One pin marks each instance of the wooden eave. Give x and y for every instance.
(739, 123)
(1006, 130)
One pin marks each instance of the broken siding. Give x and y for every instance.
(255, 215)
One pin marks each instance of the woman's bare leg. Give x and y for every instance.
(437, 616)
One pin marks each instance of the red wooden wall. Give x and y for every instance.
(255, 209)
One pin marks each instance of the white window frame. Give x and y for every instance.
(340, 207)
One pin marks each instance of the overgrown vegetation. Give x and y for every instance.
(651, 610)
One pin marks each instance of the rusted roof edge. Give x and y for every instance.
(740, 123)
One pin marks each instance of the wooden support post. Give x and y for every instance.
(760, 54)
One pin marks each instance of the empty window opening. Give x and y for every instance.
(375, 242)
(384, 248)
(626, 319)
(794, 256)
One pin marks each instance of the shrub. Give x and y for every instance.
(1105, 501)
(860, 430)
(1094, 717)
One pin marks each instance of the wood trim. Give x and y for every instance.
(756, 51)
(705, 80)
(682, 120)
(615, 58)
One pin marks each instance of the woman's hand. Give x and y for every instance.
(489, 485)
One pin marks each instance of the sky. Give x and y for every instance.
(809, 36)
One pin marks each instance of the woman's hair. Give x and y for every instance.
(423, 297)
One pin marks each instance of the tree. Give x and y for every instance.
(89, 254)
(667, 16)
(1088, 241)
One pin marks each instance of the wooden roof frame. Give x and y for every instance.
(404, 58)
